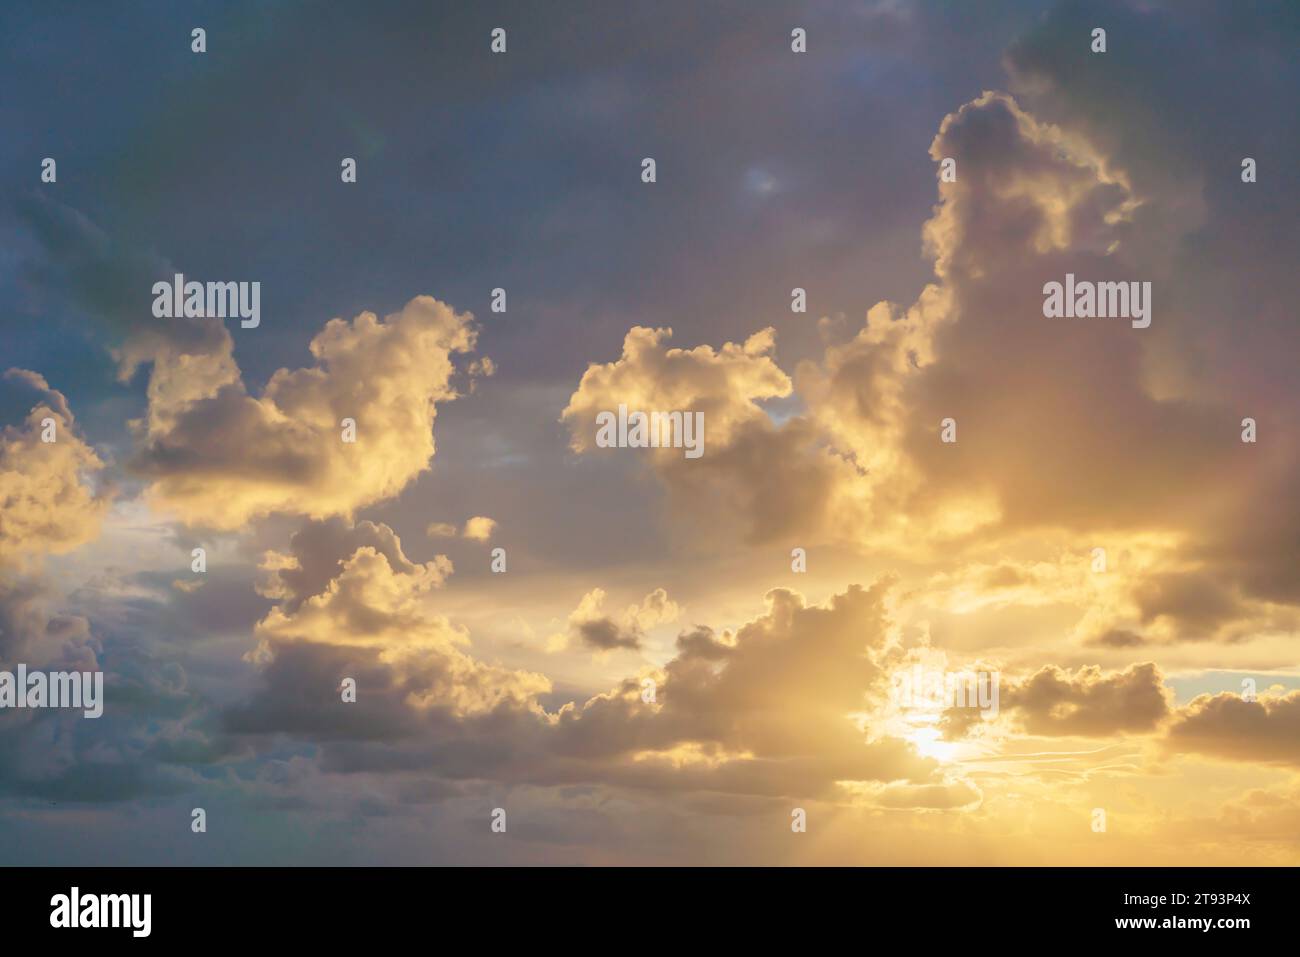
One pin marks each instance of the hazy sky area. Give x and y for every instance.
(657, 676)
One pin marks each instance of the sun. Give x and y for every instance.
(929, 743)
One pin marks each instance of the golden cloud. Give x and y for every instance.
(51, 504)
(375, 600)
(218, 457)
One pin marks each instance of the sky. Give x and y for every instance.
(464, 629)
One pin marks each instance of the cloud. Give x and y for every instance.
(862, 462)
(589, 625)
(351, 598)
(1088, 702)
(766, 711)
(726, 385)
(1228, 726)
(51, 504)
(153, 730)
(1196, 603)
(900, 795)
(110, 280)
(479, 528)
(1044, 409)
(775, 477)
(1117, 638)
(1223, 248)
(216, 456)
(318, 551)
(29, 633)
(54, 501)
(1031, 202)
(1071, 435)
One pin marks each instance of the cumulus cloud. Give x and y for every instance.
(47, 488)
(1088, 702)
(1229, 726)
(218, 456)
(53, 499)
(768, 710)
(352, 594)
(775, 477)
(591, 626)
(1070, 434)
(726, 384)
(1035, 436)
(318, 550)
(1045, 409)
(1030, 202)
(1225, 248)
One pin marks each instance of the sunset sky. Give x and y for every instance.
(1098, 536)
